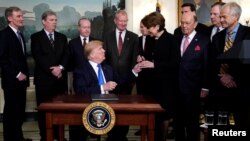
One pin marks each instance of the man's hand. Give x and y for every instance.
(22, 77)
(146, 64)
(109, 86)
(140, 58)
(56, 71)
(227, 81)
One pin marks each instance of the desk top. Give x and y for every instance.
(126, 103)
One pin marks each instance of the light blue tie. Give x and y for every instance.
(100, 75)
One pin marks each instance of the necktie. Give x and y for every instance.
(51, 39)
(84, 42)
(217, 30)
(228, 45)
(100, 75)
(120, 43)
(186, 43)
(20, 39)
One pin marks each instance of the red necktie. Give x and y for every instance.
(120, 43)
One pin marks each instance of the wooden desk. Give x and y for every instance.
(129, 110)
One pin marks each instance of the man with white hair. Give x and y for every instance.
(229, 78)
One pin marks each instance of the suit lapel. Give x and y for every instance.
(192, 44)
(92, 71)
(14, 36)
(114, 43)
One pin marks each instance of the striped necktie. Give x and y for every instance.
(228, 45)
(51, 39)
(20, 39)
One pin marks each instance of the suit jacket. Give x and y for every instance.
(149, 45)
(123, 63)
(46, 56)
(77, 53)
(144, 79)
(194, 65)
(85, 81)
(166, 59)
(12, 59)
(201, 28)
(236, 70)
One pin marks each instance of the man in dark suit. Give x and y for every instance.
(50, 52)
(121, 48)
(77, 61)
(86, 79)
(121, 58)
(190, 8)
(193, 78)
(231, 85)
(14, 73)
(76, 45)
(215, 19)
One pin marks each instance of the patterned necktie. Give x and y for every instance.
(51, 39)
(120, 43)
(100, 75)
(228, 45)
(20, 39)
(186, 43)
(84, 42)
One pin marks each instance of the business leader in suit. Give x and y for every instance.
(121, 58)
(190, 8)
(76, 45)
(193, 78)
(14, 73)
(50, 52)
(86, 82)
(77, 62)
(230, 87)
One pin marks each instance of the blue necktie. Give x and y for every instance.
(100, 75)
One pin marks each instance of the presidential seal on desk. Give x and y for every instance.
(98, 118)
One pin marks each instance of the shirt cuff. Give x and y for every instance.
(205, 89)
(18, 74)
(136, 74)
(61, 67)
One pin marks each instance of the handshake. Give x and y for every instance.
(142, 63)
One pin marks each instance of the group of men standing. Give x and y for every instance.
(190, 56)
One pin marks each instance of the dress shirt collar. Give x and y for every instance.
(14, 29)
(190, 36)
(235, 30)
(87, 38)
(118, 32)
(94, 66)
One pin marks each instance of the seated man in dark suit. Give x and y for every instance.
(86, 80)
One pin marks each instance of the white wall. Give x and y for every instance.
(137, 9)
(245, 5)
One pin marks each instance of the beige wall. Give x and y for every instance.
(137, 9)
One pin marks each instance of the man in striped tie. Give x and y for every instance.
(228, 78)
